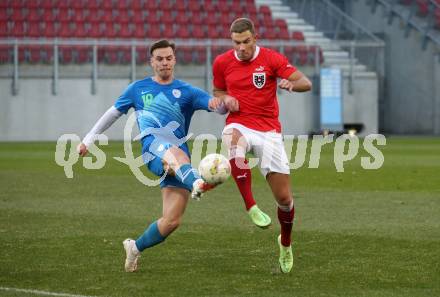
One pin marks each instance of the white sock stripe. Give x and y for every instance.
(42, 293)
(286, 208)
(236, 152)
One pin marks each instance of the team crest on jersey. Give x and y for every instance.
(177, 93)
(259, 79)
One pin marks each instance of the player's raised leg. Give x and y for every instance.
(280, 185)
(240, 171)
(177, 162)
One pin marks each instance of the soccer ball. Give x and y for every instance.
(214, 169)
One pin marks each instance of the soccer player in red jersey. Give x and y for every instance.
(249, 74)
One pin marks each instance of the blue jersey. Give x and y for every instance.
(160, 106)
(163, 114)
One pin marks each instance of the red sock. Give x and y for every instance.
(286, 222)
(242, 175)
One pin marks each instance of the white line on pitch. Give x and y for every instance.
(43, 293)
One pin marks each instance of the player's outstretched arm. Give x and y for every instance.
(296, 82)
(106, 120)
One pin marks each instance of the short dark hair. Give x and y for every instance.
(163, 43)
(241, 25)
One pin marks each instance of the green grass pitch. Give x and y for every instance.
(356, 233)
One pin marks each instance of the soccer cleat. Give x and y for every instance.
(131, 260)
(200, 187)
(258, 217)
(286, 257)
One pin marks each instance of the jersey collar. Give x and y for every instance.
(257, 51)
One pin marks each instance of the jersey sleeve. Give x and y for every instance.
(218, 80)
(200, 99)
(126, 100)
(282, 66)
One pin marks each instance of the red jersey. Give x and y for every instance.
(254, 84)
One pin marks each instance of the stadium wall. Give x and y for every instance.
(36, 114)
(412, 81)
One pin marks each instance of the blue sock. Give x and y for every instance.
(150, 238)
(187, 175)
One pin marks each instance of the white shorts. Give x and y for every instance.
(267, 147)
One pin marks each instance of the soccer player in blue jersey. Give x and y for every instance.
(164, 107)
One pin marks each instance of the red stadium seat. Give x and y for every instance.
(80, 30)
(198, 32)
(138, 17)
(269, 33)
(122, 5)
(17, 4)
(61, 4)
(197, 18)
(3, 15)
(66, 54)
(95, 31)
(195, 6)
(312, 54)
(125, 31)
(298, 35)
(423, 7)
(78, 4)
(5, 54)
(213, 19)
(3, 29)
(46, 54)
(34, 53)
(49, 30)
(139, 31)
(107, 4)
(184, 55)
(93, 4)
(151, 5)
(283, 34)
(200, 53)
(33, 15)
(182, 18)
(123, 17)
(78, 15)
(167, 17)
(301, 55)
(111, 54)
(62, 16)
(214, 31)
(93, 16)
(183, 32)
(141, 55)
(34, 29)
(153, 31)
(32, 4)
(125, 54)
(180, 6)
(168, 31)
(265, 10)
(17, 15)
(154, 18)
(167, 5)
(82, 54)
(18, 30)
(48, 15)
(281, 24)
(137, 5)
